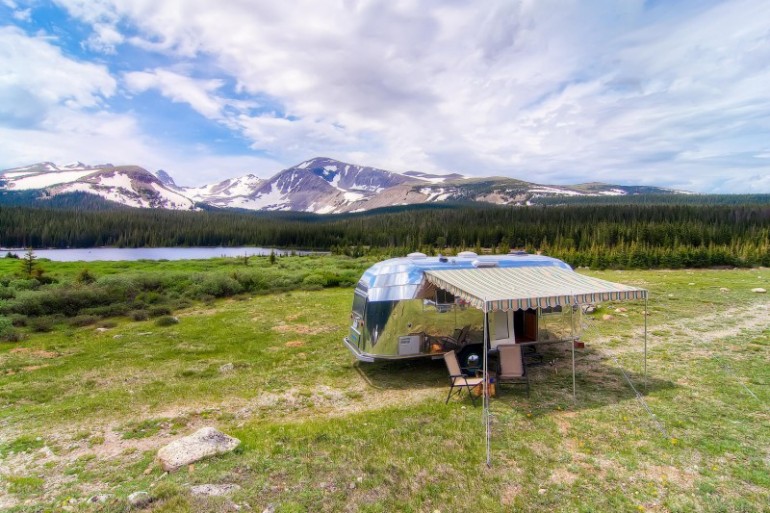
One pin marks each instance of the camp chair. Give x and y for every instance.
(511, 368)
(457, 379)
(457, 340)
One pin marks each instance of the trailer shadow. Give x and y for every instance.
(599, 380)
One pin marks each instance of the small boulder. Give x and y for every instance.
(214, 490)
(589, 309)
(98, 499)
(759, 290)
(205, 442)
(621, 310)
(228, 367)
(607, 317)
(139, 499)
(724, 289)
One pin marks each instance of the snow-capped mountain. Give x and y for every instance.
(320, 185)
(128, 185)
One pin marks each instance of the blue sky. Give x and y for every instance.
(675, 94)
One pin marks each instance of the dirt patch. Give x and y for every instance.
(563, 476)
(509, 494)
(294, 343)
(666, 473)
(39, 353)
(30, 368)
(304, 329)
(293, 317)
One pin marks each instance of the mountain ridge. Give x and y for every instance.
(319, 185)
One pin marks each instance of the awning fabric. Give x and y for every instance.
(521, 288)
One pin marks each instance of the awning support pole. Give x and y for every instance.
(646, 314)
(485, 391)
(572, 341)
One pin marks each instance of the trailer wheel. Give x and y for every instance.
(470, 358)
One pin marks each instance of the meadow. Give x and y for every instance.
(84, 408)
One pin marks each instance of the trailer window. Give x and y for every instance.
(359, 303)
(377, 315)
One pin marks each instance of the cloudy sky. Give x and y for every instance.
(669, 93)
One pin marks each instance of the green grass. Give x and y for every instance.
(322, 433)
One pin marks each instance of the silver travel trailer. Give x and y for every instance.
(403, 309)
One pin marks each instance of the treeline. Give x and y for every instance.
(631, 236)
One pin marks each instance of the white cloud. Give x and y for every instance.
(672, 94)
(57, 80)
(199, 94)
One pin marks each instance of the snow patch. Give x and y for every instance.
(330, 168)
(43, 180)
(350, 197)
(552, 190)
(117, 180)
(17, 174)
(304, 165)
(328, 209)
(613, 192)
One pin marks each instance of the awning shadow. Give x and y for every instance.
(600, 381)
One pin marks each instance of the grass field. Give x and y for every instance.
(83, 412)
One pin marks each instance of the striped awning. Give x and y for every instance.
(522, 288)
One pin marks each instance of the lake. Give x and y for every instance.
(116, 254)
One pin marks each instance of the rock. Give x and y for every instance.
(214, 490)
(139, 499)
(97, 499)
(589, 309)
(759, 290)
(607, 317)
(228, 367)
(269, 509)
(102, 330)
(46, 452)
(621, 310)
(205, 442)
(724, 289)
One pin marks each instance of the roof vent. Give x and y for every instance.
(484, 263)
(518, 252)
(417, 255)
(466, 254)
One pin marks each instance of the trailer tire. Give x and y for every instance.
(470, 358)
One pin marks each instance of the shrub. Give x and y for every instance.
(83, 320)
(7, 293)
(157, 311)
(166, 320)
(5, 326)
(30, 284)
(113, 310)
(217, 285)
(42, 324)
(19, 321)
(139, 315)
(85, 276)
(314, 281)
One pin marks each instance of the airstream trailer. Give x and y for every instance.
(399, 311)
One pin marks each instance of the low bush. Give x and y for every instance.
(139, 315)
(43, 324)
(18, 321)
(166, 320)
(7, 293)
(83, 320)
(157, 311)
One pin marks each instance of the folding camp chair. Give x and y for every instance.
(511, 368)
(457, 379)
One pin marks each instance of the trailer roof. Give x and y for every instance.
(404, 278)
(517, 288)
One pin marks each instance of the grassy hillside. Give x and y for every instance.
(83, 411)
